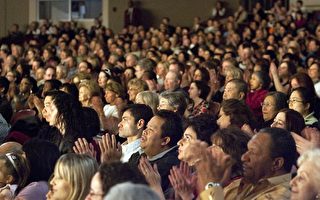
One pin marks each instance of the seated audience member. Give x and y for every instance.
(306, 184)
(266, 168)
(198, 93)
(289, 120)
(15, 172)
(159, 144)
(41, 156)
(272, 103)
(314, 73)
(235, 112)
(134, 87)
(173, 101)
(259, 84)
(221, 141)
(64, 113)
(88, 89)
(115, 97)
(281, 75)
(148, 98)
(134, 120)
(235, 89)
(197, 128)
(302, 100)
(131, 191)
(172, 82)
(111, 174)
(71, 178)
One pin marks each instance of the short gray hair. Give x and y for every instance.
(312, 156)
(176, 100)
(130, 191)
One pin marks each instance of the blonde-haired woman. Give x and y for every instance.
(72, 176)
(88, 89)
(148, 98)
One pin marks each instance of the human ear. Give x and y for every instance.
(165, 141)
(9, 179)
(140, 123)
(278, 164)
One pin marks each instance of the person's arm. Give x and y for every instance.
(276, 80)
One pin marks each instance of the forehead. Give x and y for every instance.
(231, 85)
(295, 94)
(127, 114)
(155, 122)
(281, 116)
(260, 141)
(269, 99)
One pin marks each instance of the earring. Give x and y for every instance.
(318, 196)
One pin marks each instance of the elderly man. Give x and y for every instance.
(266, 168)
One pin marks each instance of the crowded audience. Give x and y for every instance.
(225, 109)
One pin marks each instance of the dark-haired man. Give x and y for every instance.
(159, 143)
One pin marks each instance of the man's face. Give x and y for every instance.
(127, 126)
(171, 82)
(257, 162)
(231, 92)
(139, 71)
(151, 140)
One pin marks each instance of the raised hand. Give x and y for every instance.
(81, 146)
(110, 149)
(152, 175)
(182, 185)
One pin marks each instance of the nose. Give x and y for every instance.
(245, 157)
(180, 142)
(293, 181)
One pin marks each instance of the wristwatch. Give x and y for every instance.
(212, 184)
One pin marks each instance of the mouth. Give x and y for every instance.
(143, 138)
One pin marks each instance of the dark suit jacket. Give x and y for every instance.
(164, 164)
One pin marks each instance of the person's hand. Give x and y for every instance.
(211, 166)
(273, 69)
(110, 149)
(313, 135)
(182, 185)
(152, 175)
(310, 141)
(81, 146)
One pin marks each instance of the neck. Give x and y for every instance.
(133, 138)
(152, 154)
(197, 101)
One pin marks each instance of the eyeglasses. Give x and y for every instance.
(266, 104)
(294, 101)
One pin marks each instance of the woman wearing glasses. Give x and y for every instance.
(303, 101)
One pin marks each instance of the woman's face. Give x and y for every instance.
(96, 192)
(280, 121)
(110, 96)
(60, 188)
(84, 94)
(255, 83)
(223, 120)
(304, 185)
(102, 79)
(269, 108)
(188, 135)
(194, 92)
(296, 103)
(197, 75)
